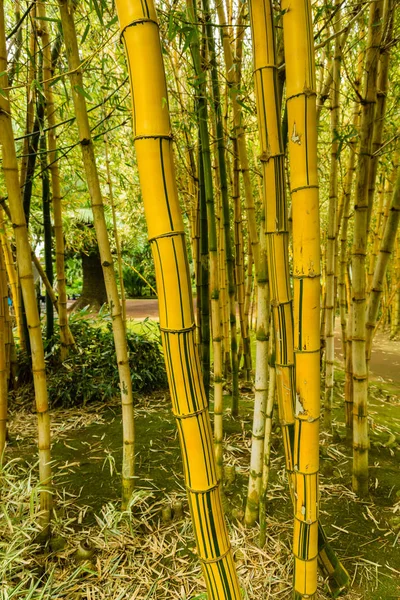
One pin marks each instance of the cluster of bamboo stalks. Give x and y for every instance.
(254, 238)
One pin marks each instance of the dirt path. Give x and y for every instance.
(140, 309)
(385, 360)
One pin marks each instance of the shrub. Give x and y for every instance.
(91, 373)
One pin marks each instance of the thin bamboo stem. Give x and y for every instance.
(267, 446)
(395, 324)
(12, 278)
(225, 209)
(121, 348)
(254, 495)
(233, 69)
(204, 297)
(12, 182)
(385, 253)
(344, 281)
(115, 229)
(359, 251)
(333, 220)
(30, 95)
(380, 109)
(48, 254)
(65, 334)
(212, 241)
(3, 358)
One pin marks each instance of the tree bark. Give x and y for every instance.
(94, 292)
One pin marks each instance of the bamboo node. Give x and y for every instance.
(181, 416)
(165, 235)
(205, 491)
(168, 137)
(217, 559)
(137, 22)
(183, 330)
(304, 187)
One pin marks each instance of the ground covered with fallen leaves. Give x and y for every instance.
(97, 552)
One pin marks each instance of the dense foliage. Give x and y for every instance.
(91, 372)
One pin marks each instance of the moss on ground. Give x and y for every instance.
(365, 534)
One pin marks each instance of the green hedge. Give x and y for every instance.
(90, 372)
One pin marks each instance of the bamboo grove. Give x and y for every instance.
(261, 163)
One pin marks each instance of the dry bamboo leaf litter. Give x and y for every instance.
(138, 556)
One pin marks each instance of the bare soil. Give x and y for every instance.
(385, 359)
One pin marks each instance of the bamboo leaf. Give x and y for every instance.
(87, 29)
(98, 11)
(82, 92)
(112, 22)
(243, 105)
(51, 20)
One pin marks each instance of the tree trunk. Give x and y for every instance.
(94, 292)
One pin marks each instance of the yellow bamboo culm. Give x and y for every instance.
(277, 231)
(302, 131)
(153, 142)
(10, 168)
